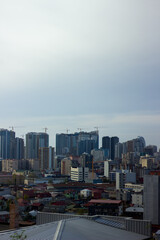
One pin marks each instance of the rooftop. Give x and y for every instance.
(73, 229)
(105, 201)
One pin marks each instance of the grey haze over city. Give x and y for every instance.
(81, 64)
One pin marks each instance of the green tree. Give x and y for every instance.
(20, 236)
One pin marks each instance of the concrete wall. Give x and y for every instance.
(152, 198)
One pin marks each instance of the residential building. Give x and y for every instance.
(57, 162)
(150, 150)
(34, 141)
(66, 164)
(124, 177)
(86, 193)
(114, 140)
(135, 146)
(33, 164)
(137, 199)
(109, 166)
(46, 158)
(77, 143)
(130, 146)
(79, 174)
(86, 160)
(112, 176)
(7, 144)
(63, 142)
(139, 145)
(9, 165)
(19, 148)
(118, 150)
(152, 198)
(147, 161)
(98, 155)
(87, 141)
(134, 187)
(106, 144)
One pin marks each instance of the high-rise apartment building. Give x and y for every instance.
(9, 165)
(7, 144)
(86, 160)
(130, 146)
(34, 141)
(107, 168)
(46, 158)
(114, 140)
(106, 144)
(66, 164)
(66, 143)
(150, 150)
(87, 141)
(19, 148)
(79, 174)
(77, 143)
(139, 145)
(109, 144)
(118, 150)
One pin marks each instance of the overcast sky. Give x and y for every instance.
(81, 64)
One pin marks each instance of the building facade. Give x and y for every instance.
(19, 148)
(79, 174)
(34, 141)
(114, 140)
(46, 158)
(66, 164)
(7, 144)
(152, 198)
(124, 176)
(77, 143)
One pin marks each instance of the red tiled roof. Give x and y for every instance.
(43, 195)
(87, 204)
(59, 203)
(37, 204)
(105, 201)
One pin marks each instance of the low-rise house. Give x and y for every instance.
(4, 217)
(137, 198)
(23, 205)
(135, 212)
(43, 197)
(55, 207)
(3, 203)
(105, 207)
(86, 193)
(37, 206)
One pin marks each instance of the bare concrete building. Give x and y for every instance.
(66, 166)
(152, 198)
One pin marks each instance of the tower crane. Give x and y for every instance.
(80, 129)
(67, 130)
(45, 129)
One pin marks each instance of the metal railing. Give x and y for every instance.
(133, 225)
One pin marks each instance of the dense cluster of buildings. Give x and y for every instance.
(126, 175)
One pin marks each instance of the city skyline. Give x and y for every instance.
(43, 139)
(81, 64)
